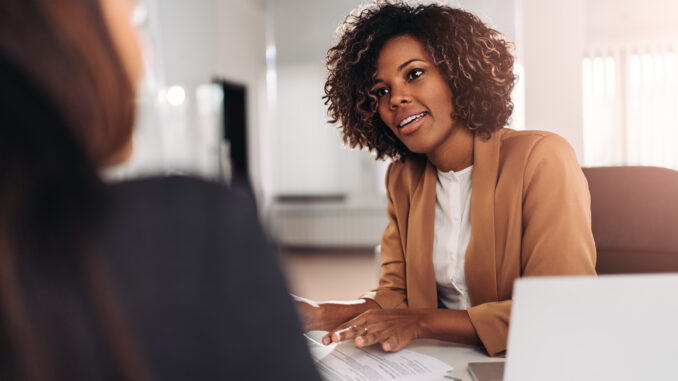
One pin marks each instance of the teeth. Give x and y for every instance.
(411, 119)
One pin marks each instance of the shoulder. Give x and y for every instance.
(405, 175)
(166, 186)
(175, 192)
(529, 140)
(523, 148)
(180, 205)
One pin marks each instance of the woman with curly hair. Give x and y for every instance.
(472, 205)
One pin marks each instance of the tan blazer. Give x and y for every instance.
(530, 215)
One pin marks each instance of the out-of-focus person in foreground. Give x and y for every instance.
(167, 278)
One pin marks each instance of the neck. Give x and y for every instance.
(454, 153)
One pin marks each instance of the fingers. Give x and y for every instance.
(392, 329)
(374, 332)
(391, 344)
(391, 340)
(368, 339)
(350, 330)
(347, 333)
(335, 335)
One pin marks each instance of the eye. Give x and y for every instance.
(380, 92)
(414, 73)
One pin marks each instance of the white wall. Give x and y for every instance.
(194, 42)
(623, 20)
(241, 57)
(499, 14)
(307, 153)
(550, 42)
(307, 146)
(203, 38)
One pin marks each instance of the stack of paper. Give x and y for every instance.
(344, 361)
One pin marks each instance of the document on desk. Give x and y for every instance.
(344, 361)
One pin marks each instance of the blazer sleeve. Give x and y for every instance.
(557, 236)
(392, 289)
(556, 227)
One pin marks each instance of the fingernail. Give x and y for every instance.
(335, 337)
(359, 341)
(387, 347)
(326, 340)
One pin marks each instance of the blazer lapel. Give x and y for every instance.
(421, 283)
(480, 266)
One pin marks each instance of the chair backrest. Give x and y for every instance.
(634, 213)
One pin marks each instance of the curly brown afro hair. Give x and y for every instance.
(475, 59)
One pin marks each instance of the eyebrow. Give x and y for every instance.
(401, 67)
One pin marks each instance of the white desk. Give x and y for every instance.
(455, 355)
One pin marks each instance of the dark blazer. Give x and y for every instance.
(530, 215)
(199, 284)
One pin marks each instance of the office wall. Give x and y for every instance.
(623, 20)
(550, 41)
(189, 44)
(499, 14)
(203, 38)
(308, 154)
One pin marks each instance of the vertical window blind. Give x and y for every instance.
(630, 98)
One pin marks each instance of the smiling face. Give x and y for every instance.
(415, 101)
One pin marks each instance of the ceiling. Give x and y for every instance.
(303, 30)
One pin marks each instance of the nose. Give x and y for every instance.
(399, 96)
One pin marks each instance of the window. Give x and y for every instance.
(630, 96)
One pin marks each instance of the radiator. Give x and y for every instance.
(329, 224)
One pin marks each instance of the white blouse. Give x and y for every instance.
(452, 231)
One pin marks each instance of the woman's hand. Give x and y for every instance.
(310, 313)
(392, 328)
(327, 315)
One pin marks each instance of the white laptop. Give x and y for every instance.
(614, 327)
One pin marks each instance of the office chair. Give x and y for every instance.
(634, 212)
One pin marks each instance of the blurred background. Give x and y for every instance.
(233, 91)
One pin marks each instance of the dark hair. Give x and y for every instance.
(66, 105)
(475, 59)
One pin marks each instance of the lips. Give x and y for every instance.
(409, 123)
(408, 118)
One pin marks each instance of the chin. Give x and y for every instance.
(418, 148)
